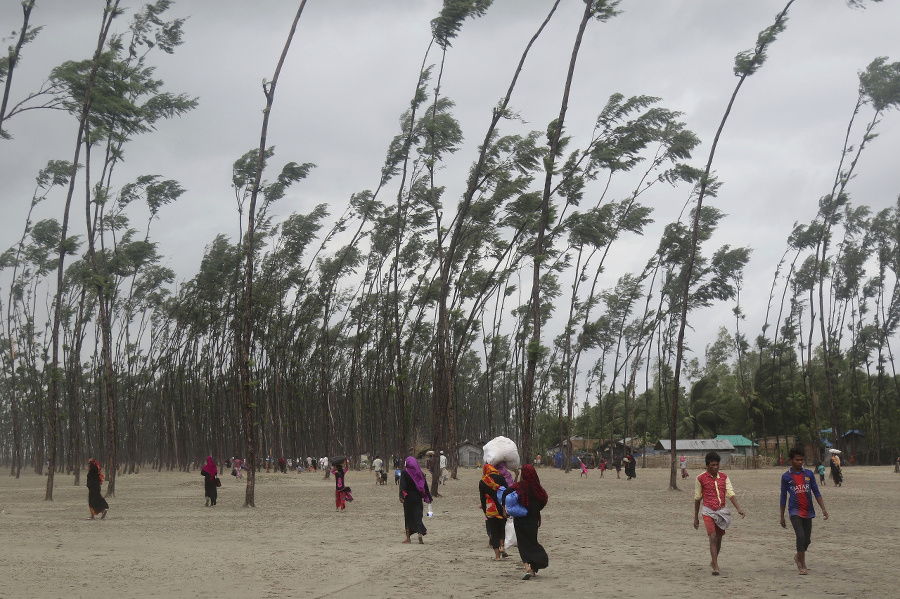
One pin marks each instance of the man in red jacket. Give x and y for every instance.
(710, 492)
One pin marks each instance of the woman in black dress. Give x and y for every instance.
(836, 475)
(533, 497)
(413, 491)
(96, 502)
(209, 473)
(630, 467)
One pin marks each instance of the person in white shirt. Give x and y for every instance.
(378, 467)
(443, 465)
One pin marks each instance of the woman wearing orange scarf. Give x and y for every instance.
(492, 508)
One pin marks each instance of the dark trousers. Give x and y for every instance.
(803, 530)
(496, 528)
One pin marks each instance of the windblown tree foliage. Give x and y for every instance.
(440, 305)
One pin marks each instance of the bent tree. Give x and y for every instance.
(745, 64)
(291, 173)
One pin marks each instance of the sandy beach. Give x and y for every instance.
(605, 537)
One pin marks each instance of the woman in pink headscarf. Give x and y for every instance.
(413, 491)
(209, 472)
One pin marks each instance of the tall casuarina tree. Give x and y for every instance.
(745, 64)
(602, 10)
(125, 100)
(110, 12)
(8, 62)
(291, 173)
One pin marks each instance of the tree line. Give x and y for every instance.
(411, 319)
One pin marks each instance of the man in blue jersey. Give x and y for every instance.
(800, 485)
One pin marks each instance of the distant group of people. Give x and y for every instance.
(618, 462)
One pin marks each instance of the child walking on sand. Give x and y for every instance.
(711, 491)
(798, 487)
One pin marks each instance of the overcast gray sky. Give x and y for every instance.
(353, 66)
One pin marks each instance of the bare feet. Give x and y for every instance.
(406, 541)
(715, 568)
(801, 568)
(104, 515)
(421, 542)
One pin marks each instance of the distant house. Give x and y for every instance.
(580, 446)
(853, 442)
(698, 447)
(621, 446)
(742, 445)
(471, 454)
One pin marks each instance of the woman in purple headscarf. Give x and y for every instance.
(413, 491)
(510, 478)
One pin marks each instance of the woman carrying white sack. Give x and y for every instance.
(502, 453)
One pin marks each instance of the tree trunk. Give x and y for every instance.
(533, 353)
(246, 320)
(109, 14)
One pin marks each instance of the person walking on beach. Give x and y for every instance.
(711, 490)
(798, 487)
(630, 465)
(584, 470)
(491, 506)
(602, 466)
(413, 492)
(209, 472)
(341, 491)
(820, 470)
(617, 464)
(683, 461)
(533, 497)
(836, 475)
(378, 468)
(96, 502)
(443, 465)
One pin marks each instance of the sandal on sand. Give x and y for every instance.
(504, 554)
(527, 576)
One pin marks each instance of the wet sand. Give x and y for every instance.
(605, 537)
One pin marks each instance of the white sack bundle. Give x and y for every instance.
(501, 449)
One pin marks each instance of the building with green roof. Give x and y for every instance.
(742, 445)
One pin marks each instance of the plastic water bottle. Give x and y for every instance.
(430, 513)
